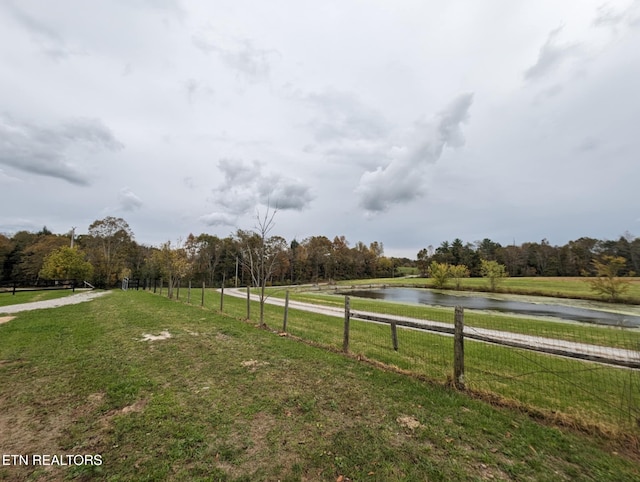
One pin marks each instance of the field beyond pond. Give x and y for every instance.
(561, 287)
(210, 397)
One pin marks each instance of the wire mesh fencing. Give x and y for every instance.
(584, 374)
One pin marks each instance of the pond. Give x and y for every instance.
(478, 302)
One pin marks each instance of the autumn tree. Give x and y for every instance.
(494, 272)
(458, 272)
(440, 273)
(607, 281)
(172, 263)
(66, 263)
(109, 239)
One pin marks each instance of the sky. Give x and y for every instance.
(408, 122)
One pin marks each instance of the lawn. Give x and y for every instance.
(6, 298)
(223, 400)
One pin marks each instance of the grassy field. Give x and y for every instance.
(223, 400)
(592, 334)
(20, 297)
(578, 288)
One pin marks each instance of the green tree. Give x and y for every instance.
(607, 282)
(109, 239)
(172, 263)
(66, 263)
(458, 272)
(494, 272)
(440, 273)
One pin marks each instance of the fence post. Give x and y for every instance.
(15, 285)
(458, 349)
(189, 293)
(347, 318)
(248, 302)
(202, 302)
(394, 335)
(286, 312)
(222, 295)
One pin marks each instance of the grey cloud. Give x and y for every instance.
(128, 200)
(246, 185)
(551, 56)
(50, 42)
(45, 150)
(249, 62)
(219, 219)
(194, 88)
(341, 115)
(284, 193)
(607, 16)
(403, 179)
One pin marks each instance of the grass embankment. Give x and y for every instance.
(560, 287)
(222, 400)
(6, 298)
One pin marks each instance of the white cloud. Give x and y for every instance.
(404, 178)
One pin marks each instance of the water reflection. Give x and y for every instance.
(428, 297)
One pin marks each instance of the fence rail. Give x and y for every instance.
(587, 375)
(41, 285)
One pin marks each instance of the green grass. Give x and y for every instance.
(223, 400)
(580, 392)
(591, 334)
(6, 298)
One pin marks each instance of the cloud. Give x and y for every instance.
(342, 116)
(607, 16)
(128, 201)
(219, 219)
(45, 150)
(49, 41)
(239, 54)
(246, 185)
(551, 56)
(403, 179)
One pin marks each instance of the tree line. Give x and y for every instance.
(575, 258)
(109, 252)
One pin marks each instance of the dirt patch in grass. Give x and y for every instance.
(5, 319)
(162, 336)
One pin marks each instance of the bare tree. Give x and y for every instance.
(262, 254)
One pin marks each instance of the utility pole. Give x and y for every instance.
(73, 235)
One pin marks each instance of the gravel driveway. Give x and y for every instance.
(39, 305)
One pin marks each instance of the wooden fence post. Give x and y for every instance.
(458, 349)
(222, 295)
(394, 336)
(347, 318)
(189, 293)
(202, 302)
(248, 302)
(286, 312)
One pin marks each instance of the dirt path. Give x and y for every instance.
(39, 305)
